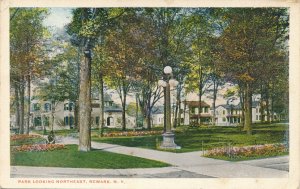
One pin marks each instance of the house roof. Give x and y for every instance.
(231, 106)
(255, 104)
(196, 103)
(158, 110)
(112, 109)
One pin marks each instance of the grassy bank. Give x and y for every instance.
(71, 157)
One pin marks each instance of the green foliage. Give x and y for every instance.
(205, 138)
(70, 157)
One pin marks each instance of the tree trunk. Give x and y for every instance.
(101, 106)
(148, 118)
(242, 101)
(28, 104)
(272, 103)
(22, 107)
(179, 108)
(85, 105)
(76, 116)
(124, 114)
(176, 111)
(52, 116)
(184, 109)
(268, 104)
(17, 106)
(261, 104)
(199, 108)
(136, 109)
(215, 88)
(200, 97)
(248, 109)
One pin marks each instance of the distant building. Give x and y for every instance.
(112, 114)
(158, 116)
(41, 114)
(193, 114)
(228, 115)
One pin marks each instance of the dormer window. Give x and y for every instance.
(47, 107)
(69, 106)
(66, 106)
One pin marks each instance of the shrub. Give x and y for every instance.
(38, 147)
(248, 151)
(131, 133)
(23, 137)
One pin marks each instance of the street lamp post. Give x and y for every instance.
(168, 135)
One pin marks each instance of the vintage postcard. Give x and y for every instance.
(160, 94)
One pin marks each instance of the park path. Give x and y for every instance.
(189, 164)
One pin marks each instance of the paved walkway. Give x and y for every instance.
(184, 165)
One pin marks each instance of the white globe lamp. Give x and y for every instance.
(167, 70)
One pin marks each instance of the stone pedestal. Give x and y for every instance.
(168, 141)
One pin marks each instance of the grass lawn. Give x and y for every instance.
(71, 157)
(244, 158)
(205, 138)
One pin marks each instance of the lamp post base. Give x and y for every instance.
(168, 141)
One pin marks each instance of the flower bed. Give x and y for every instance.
(38, 147)
(19, 140)
(248, 151)
(24, 136)
(131, 133)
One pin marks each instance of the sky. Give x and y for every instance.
(58, 17)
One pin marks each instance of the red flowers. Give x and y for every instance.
(22, 137)
(38, 147)
(30, 143)
(132, 133)
(248, 151)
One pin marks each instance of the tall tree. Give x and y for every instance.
(27, 34)
(244, 43)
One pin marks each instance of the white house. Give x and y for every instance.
(228, 115)
(41, 114)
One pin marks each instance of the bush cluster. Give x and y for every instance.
(131, 133)
(23, 137)
(248, 151)
(38, 147)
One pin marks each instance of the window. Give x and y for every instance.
(206, 109)
(224, 112)
(66, 120)
(256, 117)
(66, 106)
(37, 121)
(71, 120)
(47, 107)
(71, 106)
(97, 120)
(36, 106)
(224, 119)
(193, 110)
